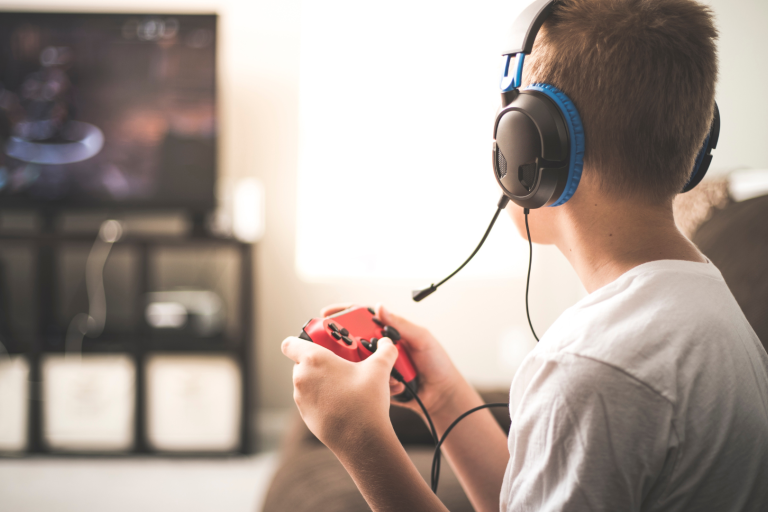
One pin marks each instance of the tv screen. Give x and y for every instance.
(107, 110)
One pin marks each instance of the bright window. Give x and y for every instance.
(397, 102)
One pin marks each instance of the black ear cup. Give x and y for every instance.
(704, 157)
(532, 150)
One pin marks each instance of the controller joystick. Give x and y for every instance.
(354, 335)
(390, 332)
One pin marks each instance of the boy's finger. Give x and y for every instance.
(299, 350)
(415, 335)
(334, 308)
(385, 355)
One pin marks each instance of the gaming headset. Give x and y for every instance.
(538, 148)
(538, 138)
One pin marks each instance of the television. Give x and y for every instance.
(112, 111)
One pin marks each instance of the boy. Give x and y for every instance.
(649, 394)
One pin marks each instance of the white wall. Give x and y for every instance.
(482, 323)
(743, 73)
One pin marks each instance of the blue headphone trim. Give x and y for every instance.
(697, 163)
(509, 82)
(576, 131)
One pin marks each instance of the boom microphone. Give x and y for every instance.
(418, 295)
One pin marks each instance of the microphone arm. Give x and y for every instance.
(418, 295)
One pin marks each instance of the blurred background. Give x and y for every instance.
(184, 184)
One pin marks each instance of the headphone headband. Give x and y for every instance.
(526, 26)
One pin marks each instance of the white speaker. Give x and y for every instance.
(89, 402)
(14, 403)
(193, 403)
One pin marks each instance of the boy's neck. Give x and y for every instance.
(603, 240)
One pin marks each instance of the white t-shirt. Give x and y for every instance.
(650, 394)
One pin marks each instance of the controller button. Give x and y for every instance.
(378, 322)
(336, 335)
(347, 340)
(344, 331)
(391, 333)
(371, 311)
(367, 344)
(332, 326)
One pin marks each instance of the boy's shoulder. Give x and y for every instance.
(662, 323)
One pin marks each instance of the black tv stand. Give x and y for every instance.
(153, 263)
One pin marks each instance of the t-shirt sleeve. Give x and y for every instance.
(585, 436)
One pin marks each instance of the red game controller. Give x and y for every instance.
(353, 335)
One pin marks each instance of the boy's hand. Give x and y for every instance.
(341, 401)
(346, 405)
(441, 387)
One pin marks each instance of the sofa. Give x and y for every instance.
(310, 477)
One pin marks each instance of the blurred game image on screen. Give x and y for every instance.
(107, 109)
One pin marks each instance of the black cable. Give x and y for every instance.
(436, 459)
(482, 241)
(435, 462)
(429, 420)
(528, 279)
(418, 295)
(421, 404)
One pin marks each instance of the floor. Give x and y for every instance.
(145, 484)
(44, 484)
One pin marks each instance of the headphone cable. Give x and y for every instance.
(436, 458)
(528, 279)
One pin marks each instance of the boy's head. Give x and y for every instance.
(642, 75)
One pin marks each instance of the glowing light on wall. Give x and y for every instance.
(397, 102)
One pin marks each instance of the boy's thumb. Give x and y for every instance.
(386, 353)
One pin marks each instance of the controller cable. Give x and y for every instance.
(435, 472)
(418, 295)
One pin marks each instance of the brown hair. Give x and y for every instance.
(642, 75)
